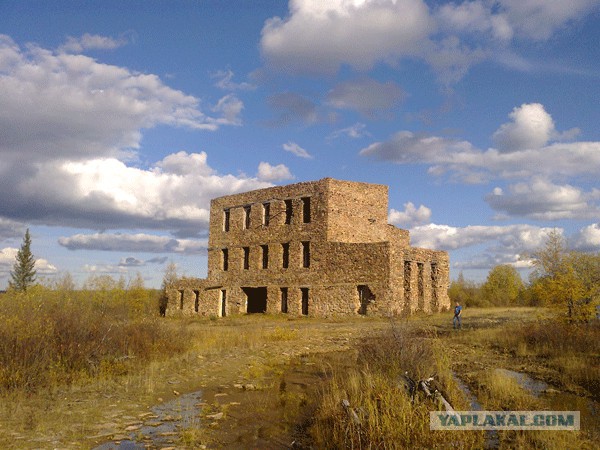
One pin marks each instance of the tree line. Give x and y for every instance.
(562, 278)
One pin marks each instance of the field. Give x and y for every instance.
(104, 369)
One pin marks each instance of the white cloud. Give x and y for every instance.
(92, 42)
(516, 238)
(319, 36)
(587, 239)
(139, 242)
(531, 128)
(225, 81)
(468, 164)
(355, 131)
(369, 97)
(8, 258)
(267, 172)
(542, 200)
(322, 36)
(75, 107)
(295, 149)
(411, 215)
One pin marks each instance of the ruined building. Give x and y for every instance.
(318, 248)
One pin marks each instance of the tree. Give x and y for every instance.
(169, 279)
(503, 285)
(23, 274)
(567, 279)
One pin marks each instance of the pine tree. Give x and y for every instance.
(23, 274)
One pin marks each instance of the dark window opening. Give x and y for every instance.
(246, 258)
(265, 256)
(304, 301)
(225, 259)
(286, 255)
(284, 300)
(181, 294)
(306, 209)
(223, 309)
(266, 214)
(365, 296)
(196, 300)
(247, 217)
(288, 212)
(226, 217)
(256, 299)
(306, 254)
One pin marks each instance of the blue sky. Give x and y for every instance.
(119, 121)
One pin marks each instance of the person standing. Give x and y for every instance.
(456, 322)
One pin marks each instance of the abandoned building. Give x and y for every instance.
(320, 248)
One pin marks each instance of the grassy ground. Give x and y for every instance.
(268, 381)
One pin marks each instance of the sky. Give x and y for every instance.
(119, 121)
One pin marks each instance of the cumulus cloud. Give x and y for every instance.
(542, 200)
(369, 97)
(8, 258)
(74, 107)
(84, 123)
(587, 239)
(269, 173)
(92, 42)
(139, 242)
(519, 238)
(466, 163)
(411, 216)
(531, 128)
(356, 131)
(225, 81)
(295, 149)
(319, 36)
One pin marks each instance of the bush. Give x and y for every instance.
(50, 337)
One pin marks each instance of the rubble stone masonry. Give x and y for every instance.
(321, 248)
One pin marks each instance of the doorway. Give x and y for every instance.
(256, 299)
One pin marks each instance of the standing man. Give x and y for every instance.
(457, 313)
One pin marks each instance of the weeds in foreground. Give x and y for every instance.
(569, 349)
(385, 416)
(50, 337)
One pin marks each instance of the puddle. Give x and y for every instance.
(161, 428)
(535, 387)
(492, 440)
(561, 401)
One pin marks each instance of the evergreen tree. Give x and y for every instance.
(23, 274)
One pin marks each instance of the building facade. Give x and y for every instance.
(320, 248)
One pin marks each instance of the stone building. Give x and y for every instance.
(319, 248)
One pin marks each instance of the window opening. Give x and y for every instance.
(288, 211)
(196, 300)
(286, 255)
(304, 301)
(306, 254)
(284, 300)
(247, 210)
(226, 218)
(225, 259)
(306, 209)
(246, 258)
(265, 256)
(266, 214)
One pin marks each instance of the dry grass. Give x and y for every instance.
(50, 338)
(387, 417)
